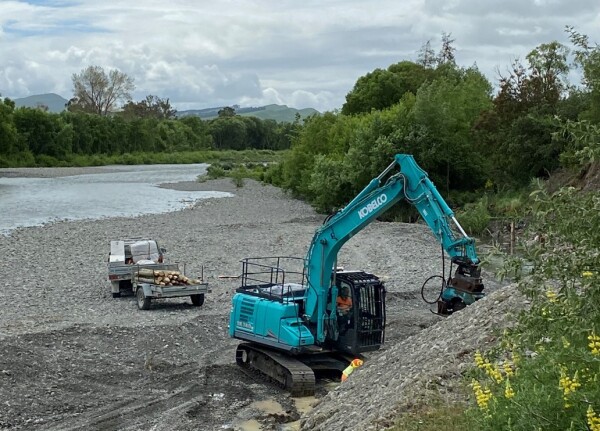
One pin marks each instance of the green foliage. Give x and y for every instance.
(9, 138)
(587, 58)
(434, 415)
(68, 134)
(335, 156)
(445, 111)
(216, 171)
(508, 205)
(237, 176)
(238, 171)
(551, 359)
(151, 107)
(584, 143)
(518, 136)
(382, 89)
(474, 217)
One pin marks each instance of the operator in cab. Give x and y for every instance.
(344, 301)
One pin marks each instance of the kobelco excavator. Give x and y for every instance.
(286, 310)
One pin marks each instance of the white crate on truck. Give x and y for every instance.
(128, 255)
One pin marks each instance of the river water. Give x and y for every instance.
(125, 191)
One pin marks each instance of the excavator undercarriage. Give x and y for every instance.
(296, 374)
(286, 371)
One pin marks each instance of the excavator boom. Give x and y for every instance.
(290, 320)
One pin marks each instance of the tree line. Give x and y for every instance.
(101, 119)
(466, 136)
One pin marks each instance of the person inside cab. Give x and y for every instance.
(344, 301)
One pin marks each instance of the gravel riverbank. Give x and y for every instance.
(72, 357)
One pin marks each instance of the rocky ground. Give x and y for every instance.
(72, 357)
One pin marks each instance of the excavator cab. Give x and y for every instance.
(360, 328)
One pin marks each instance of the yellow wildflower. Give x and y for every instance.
(508, 370)
(593, 419)
(493, 372)
(516, 358)
(479, 361)
(490, 370)
(568, 385)
(594, 344)
(551, 295)
(482, 395)
(565, 342)
(508, 390)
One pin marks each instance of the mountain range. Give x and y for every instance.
(279, 113)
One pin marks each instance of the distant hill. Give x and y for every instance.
(54, 102)
(278, 113)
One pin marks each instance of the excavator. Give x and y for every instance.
(286, 310)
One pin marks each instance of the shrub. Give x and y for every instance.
(215, 171)
(545, 373)
(237, 176)
(475, 217)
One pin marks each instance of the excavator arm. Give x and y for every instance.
(409, 183)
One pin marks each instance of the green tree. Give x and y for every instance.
(381, 89)
(8, 133)
(228, 132)
(97, 92)
(140, 136)
(38, 130)
(150, 107)
(518, 134)
(82, 131)
(227, 111)
(199, 132)
(587, 58)
(446, 110)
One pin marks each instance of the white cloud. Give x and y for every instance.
(250, 53)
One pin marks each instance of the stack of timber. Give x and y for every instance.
(164, 278)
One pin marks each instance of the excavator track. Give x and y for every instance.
(288, 372)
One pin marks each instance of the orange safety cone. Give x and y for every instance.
(350, 368)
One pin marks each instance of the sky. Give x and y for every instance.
(303, 54)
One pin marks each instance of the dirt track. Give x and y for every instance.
(72, 357)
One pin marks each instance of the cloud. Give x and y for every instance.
(302, 54)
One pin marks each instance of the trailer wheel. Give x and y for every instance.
(115, 289)
(143, 302)
(198, 299)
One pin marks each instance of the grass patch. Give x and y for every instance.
(143, 158)
(434, 416)
(236, 171)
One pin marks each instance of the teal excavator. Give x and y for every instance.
(285, 310)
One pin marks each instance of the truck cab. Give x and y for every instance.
(126, 255)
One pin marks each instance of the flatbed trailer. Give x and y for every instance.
(145, 291)
(131, 260)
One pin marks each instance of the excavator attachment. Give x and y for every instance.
(464, 288)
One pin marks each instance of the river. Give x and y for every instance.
(123, 191)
